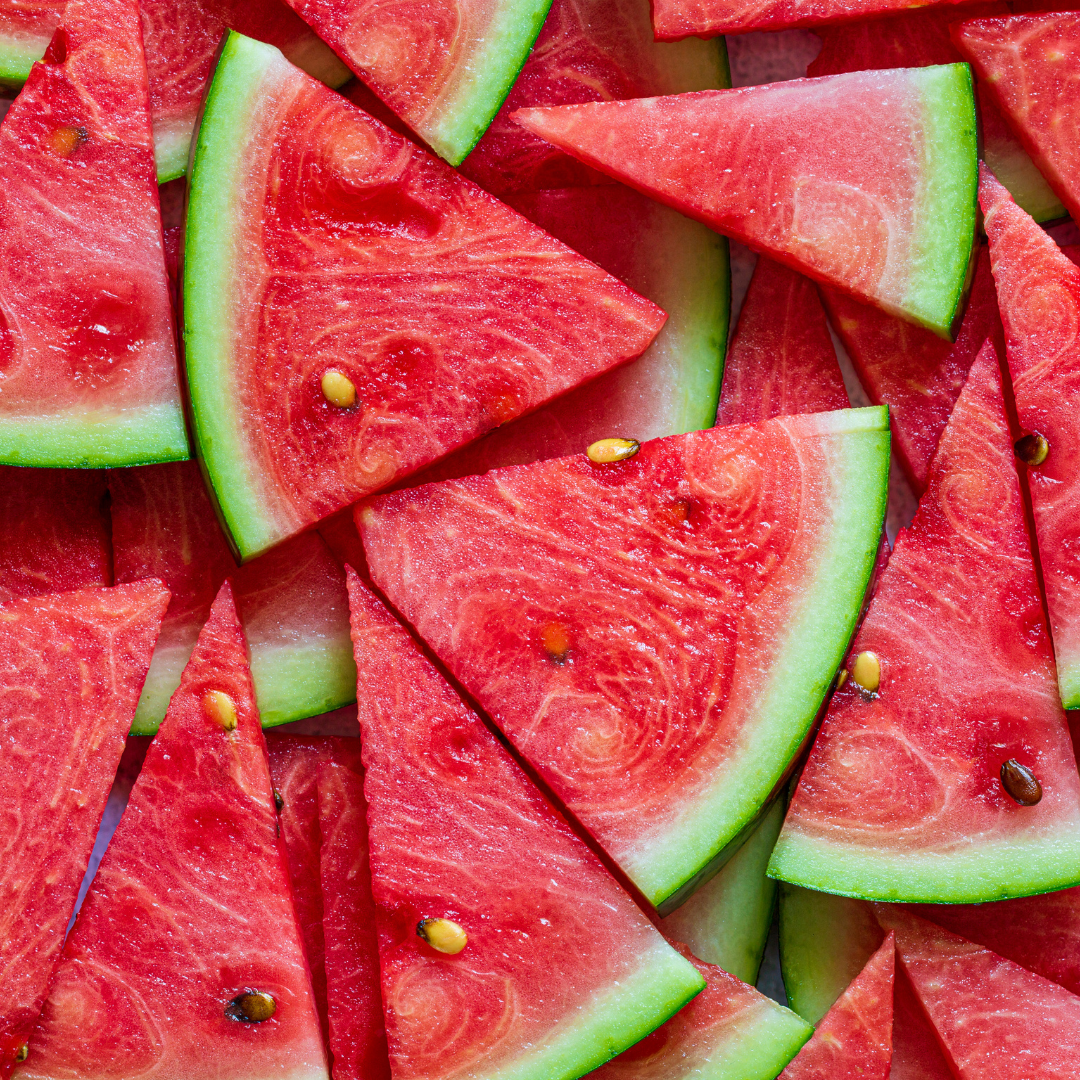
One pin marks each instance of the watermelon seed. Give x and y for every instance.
(608, 451)
(220, 707)
(841, 678)
(338, 389)
(279, 802)
(443, 935)
(252, 1007)
(556, 641)
(1019, 783)
(22, 1052)
(1032, 449)
(866, 672)
(65, 140)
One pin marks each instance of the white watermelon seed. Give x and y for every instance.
(866, 672)
(221, 708)
(443, 935)
(338, 389)
(608, 451)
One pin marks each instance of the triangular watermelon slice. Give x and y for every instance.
(506, 949)
(1028, 64)
(784, 168)
(915, 787)
(188, 938)
(727, 566)
(87, 341)
(1038, 290)
(71, 665)
(916, 1051)
(461, 315)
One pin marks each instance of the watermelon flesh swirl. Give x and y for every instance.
(87, 346)
(71, 665)
(763, 165)
(1038, 289)
(560, 969)
(196, 848)
(902, 797)
(442, 343)
(672, 547)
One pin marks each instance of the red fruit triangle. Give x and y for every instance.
(781, 360)
(71, 667)
(1038, 290)
(994, 1018)
(902, 797)
(87, 341)
(854, 1039)
(916, 1052)
(191, 906)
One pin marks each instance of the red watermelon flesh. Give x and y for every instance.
(901, 798)
(560, 970)
(357, 1032)
(916, 1051)
(196, 849)
(994, 1018)
(54, 531)
(781, 359)
(1038, 290)
(854, 1039)
(914, 372)
(87, 342)
(71, 665)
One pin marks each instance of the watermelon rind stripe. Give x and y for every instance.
(17, 56)
(1069, 682)
(757, 1048)
(706, 833)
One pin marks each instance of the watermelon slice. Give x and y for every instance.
(765, 165)
(854, 1040)
(71, 665)
(916, 1052)
(1038, 290)
(907, 793)
(588, 50)
(87, 347)
(727, 921)
(914, 372)
(292, 600)
(1028, 64)
(496, 318)
(196, 850)
(781, 359)
(570, 591)
(357, 1034)
(547, 968)
(54, 531)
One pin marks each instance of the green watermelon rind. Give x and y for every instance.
(758, 1049)
(1069, 681)
(17, 57)
(707, 833)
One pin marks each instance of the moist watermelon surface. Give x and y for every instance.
(560, 970)
(783, 168)
(71, 665)
(902, 796)
(1038, 289)
(87, 346)
(197, 848)
(713, 553)
(25, 32)
(462, 315)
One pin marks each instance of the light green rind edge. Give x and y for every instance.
(1069, 682)
(17, 57)
(942, 256)
(757, 1051)
(619, 1016)
(1026, 184)
(695, 846)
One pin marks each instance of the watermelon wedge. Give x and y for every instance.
(71, 665)
(916, 1052)
(698, 565)
(357, 1033)
(588, 50)
(196, 849)
(914, 787)
(87, 347)
(462, 315)
(781, 359)
(544, 968)
(913, 371)
(1038, 290)
(1028, 65)
(783, 168)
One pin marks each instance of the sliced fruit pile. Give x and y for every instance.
(365, 373)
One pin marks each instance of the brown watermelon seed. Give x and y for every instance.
(251, 1007)
(608, 451)
(443, 935)
(556, 641)
(1032, 449)
(1019, 783)
(338, 389)
(279, 802)
(866, 672)
(220, 708)
(22, 1053)
(67, 138)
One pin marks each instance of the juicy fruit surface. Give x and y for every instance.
(196, 848)
(561, 970)
(71, 665)
(762, 164)
(1038, 289)
(87, 350)
(25, 32)
(462, 314)
(571, 592)
(901, 798)
(916, 1052)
